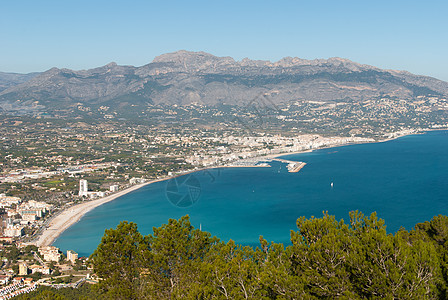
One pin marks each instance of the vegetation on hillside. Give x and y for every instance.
(327, 259)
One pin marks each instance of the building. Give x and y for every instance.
(6, 239)
(29, 217)
(39, 269)
(135, 180)
(72, 256)
(6, 201)
(12, 213)
(17, 280)
(31, 211)
(12, 230)
(113, 188)
(4, 279)
(23, 269)
(83, 188)
(50, 253)
(39, 209)
(39, 213)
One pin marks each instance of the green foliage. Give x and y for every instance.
(118, 261)
(12, 253)
(436, 232)
(30, 249)
(44, 295)
(327, 259)
(84, 292)
(79, 265)
(174, 260)
(36, 276)
(362, 260)
(15, 268)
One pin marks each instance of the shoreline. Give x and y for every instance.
(349, 144)
(73, 214)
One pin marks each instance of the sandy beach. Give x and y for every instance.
(73, 214)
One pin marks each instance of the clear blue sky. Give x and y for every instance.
(36, 35)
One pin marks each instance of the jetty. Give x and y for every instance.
(293, 166)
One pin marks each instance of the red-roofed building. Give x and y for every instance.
(17, 280)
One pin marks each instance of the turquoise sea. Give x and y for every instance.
(404, 180)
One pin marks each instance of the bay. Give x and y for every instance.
(404, 180)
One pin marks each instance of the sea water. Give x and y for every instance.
(404, 180)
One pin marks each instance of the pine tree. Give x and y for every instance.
(119, 261)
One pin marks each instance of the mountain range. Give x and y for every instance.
(185, 77)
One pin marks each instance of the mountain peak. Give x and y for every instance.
(183, 55)
(110, 65)
(190, 61)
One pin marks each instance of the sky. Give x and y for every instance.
(77, 34)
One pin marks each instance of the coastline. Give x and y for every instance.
(72, 215)
(348, 144)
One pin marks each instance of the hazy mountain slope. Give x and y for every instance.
(8, 80)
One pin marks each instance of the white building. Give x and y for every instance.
(137, 180)
(40, 269)
(50, 253)
(83, 188)
(13, 231)
(38, 209)
(113, 188)
(72, 256)
(29, 217)
(23, 269)
(6, 201)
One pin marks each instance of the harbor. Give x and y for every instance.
(292, 166)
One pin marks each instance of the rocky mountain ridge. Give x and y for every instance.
(185, 77)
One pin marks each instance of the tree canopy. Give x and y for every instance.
(326, 259)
